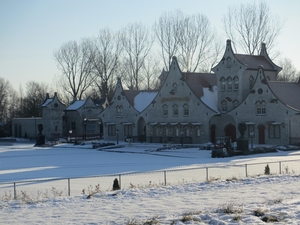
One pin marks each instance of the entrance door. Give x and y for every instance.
(230, 131)
(261, 134)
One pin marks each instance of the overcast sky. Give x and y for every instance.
(31, 30)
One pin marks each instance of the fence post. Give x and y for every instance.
(69, 187)
(207, 174)
(246, 170)
(15, 192)
(165, 177)
(120, 181)
(279, 167)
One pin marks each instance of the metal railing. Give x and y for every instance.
(179, 175)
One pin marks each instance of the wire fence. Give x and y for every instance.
(81, 185)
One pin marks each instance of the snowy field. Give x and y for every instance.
(228, 197)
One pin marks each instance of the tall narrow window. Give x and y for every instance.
(251, 82)
(111, 130)
(128, 130)
(223, 84)
(186, 110)
(175, 110)
(174, 88)
(274, 131)
(236, 83)
(224, 106)
(119, 111)
(229, 83)
(165, 110)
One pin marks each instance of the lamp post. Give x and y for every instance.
(251, 136)
(181, 133)
(70, 132)
(85, 122)
(117, 132)
(99, 123)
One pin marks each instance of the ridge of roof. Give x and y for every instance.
(284, 90)
(254, 61)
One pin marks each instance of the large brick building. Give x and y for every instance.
(197, 107)
(191, 107)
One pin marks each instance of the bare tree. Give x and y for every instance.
(166, 32)
(106, 59)
(5, 91)
(74, 60)
(288, 72)
(190, 38)
(151, 70)
(195, 40)
(249, 25)
(35, 95)
(137, 42)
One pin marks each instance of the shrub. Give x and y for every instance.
(231, 208)
(260, 212)
(267, 170)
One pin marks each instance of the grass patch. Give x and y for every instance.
(231, 208)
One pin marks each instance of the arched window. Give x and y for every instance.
(186, 111)
(235, 103)
(224, 106)
(260, 108)
(236, 83)
(165, 110)
(174, 88)
(251, 82)
(175, 110)
(228, 62)
(229, 83)
(223, 84)
(274, 130)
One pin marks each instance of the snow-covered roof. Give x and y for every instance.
(76, 105)
(47, 101)
(210, 98)
(143, 99)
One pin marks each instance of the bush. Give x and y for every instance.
(267, 170)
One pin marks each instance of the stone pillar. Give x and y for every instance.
(242, 142)
(40, 138)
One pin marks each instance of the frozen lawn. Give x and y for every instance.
(248, 200)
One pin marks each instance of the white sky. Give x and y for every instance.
(32, 30)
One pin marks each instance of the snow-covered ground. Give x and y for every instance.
(229, 197)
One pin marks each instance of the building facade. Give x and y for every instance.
(189, 107)
(197, 107)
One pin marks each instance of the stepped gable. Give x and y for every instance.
(286, 92)
(198, 81)
(254, 61)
